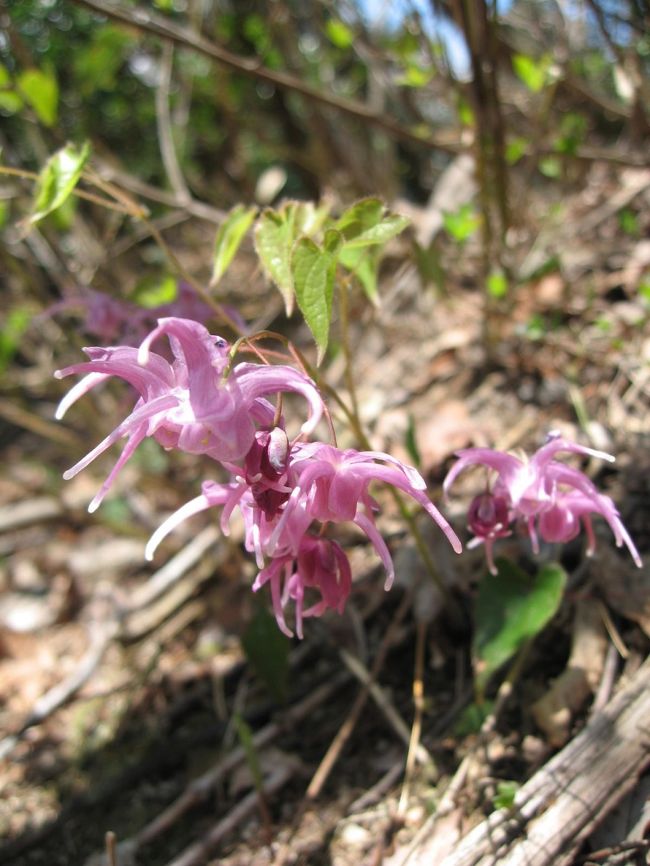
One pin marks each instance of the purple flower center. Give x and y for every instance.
(488, 515)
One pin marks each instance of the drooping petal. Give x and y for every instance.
(259, 381)
(83, 386)
(377, 541)
(132, 422)
(508, 467)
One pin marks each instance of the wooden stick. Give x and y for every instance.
(557, 809)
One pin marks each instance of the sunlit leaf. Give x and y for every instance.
(415, 76)
(41, 91)
(10, 101)
(230, 234)
(505, 795)
(515, 149)
(58, 178)
(274, 237)
(338, 33)
(461, 224)
(534, 72)
(275, 234)
(267, 652)
(368, 222)
(313, 269)
(497, 284)
(153, 291)
(550, 166)
(97, 63)
(512, 608)
(465, 112)
(363, 262)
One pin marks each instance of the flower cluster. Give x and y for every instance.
(287, 491)
(549, 498)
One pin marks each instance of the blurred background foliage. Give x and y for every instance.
(200, 105)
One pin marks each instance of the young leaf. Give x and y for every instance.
(511, 608)
(276, 232)
(313, 269)
(363, 262)
(267, 651)
(58, 178)
(533, 72)
(367, 223)
(229, 236)
(462, 223)
(338, 33)
(41, 90)
(274, 238)
(155, 290)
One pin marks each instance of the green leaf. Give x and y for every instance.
(465, 112)
(10, 101)
(338, 33)
(41, 90)
(363, 262)
(629, 222)
(472, 717)
(275, 234)
(497, 284)
(229, 236)
(550, 166)
(411, 443)
(505, 795)
(153, 291)
(461, 224)
(11, 331)
(274, 237)
(415, 76)
(97, 63)
(367, 223)
(515, 149)
(313, 269)
(644, 291)
(58, 178)
(533, 72)
(512, 608)
(267, 651)
(5, 78)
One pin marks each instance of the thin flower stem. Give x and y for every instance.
(352, 414)
(418, 707)
(344, 288)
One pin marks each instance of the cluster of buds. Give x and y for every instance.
(550, 499)
(288, 492)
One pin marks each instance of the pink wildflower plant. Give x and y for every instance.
(550, 498)
(288, 492)
(192, 403)
(314, 485)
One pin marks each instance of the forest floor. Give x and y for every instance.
(167, 696)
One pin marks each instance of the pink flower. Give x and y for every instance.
(321, 565)
(545, 494)
(191, 403)
(331, 485)
(284, 490)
